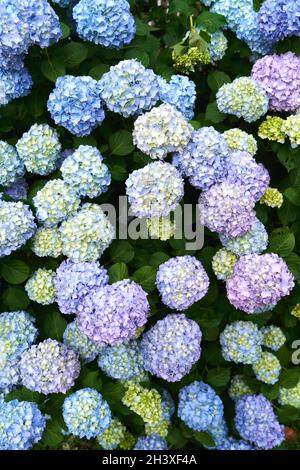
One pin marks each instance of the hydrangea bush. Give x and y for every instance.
(121, 333)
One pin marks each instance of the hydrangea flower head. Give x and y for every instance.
(55, 202)
(49, 367)
(236, 139)
(238, 388)
(181, 281)
(85, 172)
(278, 19)
(21, 425)
(204, 159)
(223, 264)
(86, 414)
(218, 46)
(241, 342)
(111, 315)
(244, 98)
(129, 89)
(112, 437)
(47, 242)
(162, 228)
(199, 406)
(290, 396)
(291, 127)
(40, 286)
(147, 403)
(272, 198)
(108, 23)
(75, 103)
(254, 241)
(256, 422)
(39, 148)
(11, 167)
(87, 234)
(267, 368)
(227, 208)
(259, 282)
(271, 129)
(273, 337)
(161, 131)
(153, 442)
(179, 92)
(154, 190)
(123, 361)
(80, 343)
(279, 77)
(14, 83)
(75, 280)
(296, 311)
(17, 226)
(171, 347)
(230, 443)
(18, 189)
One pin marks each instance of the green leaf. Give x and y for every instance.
(118, 172)
(180, 6)
(52, 69)
(117, 272)
(289, 378)
(158, 258)
(23, 394)
(288, 414)
(89, 140)
(293, 262)
(138, 54)
(204, 438)
(142, 29)
(146, 276)
(53, 434)
(97, 71)
(216, 79)
(53, 325)
(92, 380)
(218, 377)
(65, 30)
(120, 143)
(14, 271)
(281, 241)
(121, 250)
(15, 298)
(213, 114)
(72, 54)
(211, 21)
(113, 392)
(293, 195)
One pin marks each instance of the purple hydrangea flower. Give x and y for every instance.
(75, 280)
(254, 241)
(18, 189)
(259, 282)
(256, 422)
(153, 442)
(278, 19)
(181, 281)
(171, 347)
(112, 314)
(279, 75)
(227, 208)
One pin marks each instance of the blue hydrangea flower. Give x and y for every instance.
(87, 234)
(199, 406)
(171, 347)
(256, 422)
(129, 88)
(273, 337)
(47, 242)
(105, 22)
(112, 314)
(86, 414)
(204, 159)
(122, 362)
(236, 139)
(153, 442)
(85, 171)
(16, 226)
(75, 280)
(49, 367)
(40, 286)
(14, 83)
(14, 35)
(254, 241)
(267, 368)
(181, 281)
(218, 46)
(161, 131)
(230, 443)
(154, 190)
(278, 19)
(75, 103)
(18, 189)
(112, 437)
(244, 98)
(241, 342)
(39, 148)
(223, 263)
(21, 425)
(55, 202)
(81, 344)
(180, 92)
(11, 167)
(63, 3)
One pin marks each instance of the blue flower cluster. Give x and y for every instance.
(105, 22)
(254, 241)
(153, 442)
(171, 347)
(180, 92)
(86, 414)
(123, 361)
(80, 343)
(14, 84)
(278, 19)
(204, 159)
(21, 425)
(11, 166)
(181, 281)
(241, 342)
(18, 189)
(129, 88)
(75, 103)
